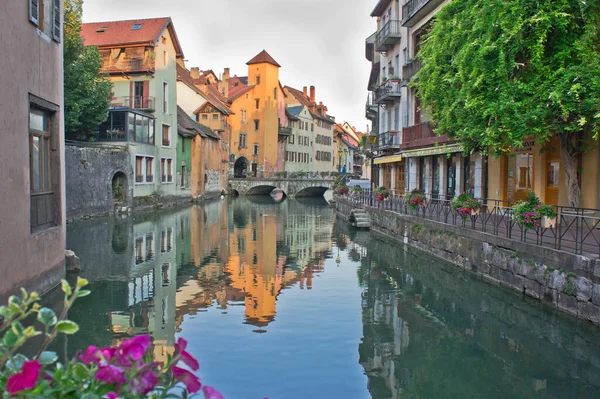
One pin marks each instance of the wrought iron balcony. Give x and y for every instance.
(388, 35)
(421, 135)
(414, 10)
(371, 107)
(370, 47)
(388, 92)
(131, 65)
(388, 140)
(137, 102)
(410, 70)
(285, 131)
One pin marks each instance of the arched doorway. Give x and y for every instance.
(240, 167)
(119, 187)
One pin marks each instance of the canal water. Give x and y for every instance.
(281, 300)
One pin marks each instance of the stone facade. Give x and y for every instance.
(97, 178)
(568, 282)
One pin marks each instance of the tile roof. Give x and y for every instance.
(187, 127)
(306, 102)
(116, 33)
(183, 75)
(261, 58)
(291, 116)
(295, 110)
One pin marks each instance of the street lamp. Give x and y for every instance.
(340, 160)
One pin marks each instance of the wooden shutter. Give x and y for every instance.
(56, 25)
(34, 11)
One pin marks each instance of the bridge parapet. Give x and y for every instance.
(292, 187)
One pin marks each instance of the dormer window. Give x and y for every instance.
(101, 29)
(136, 26)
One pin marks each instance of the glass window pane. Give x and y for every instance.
(131, 126)
(138, 129)
(46, 164)
(38, 120)
(145, 137)
(35, 160)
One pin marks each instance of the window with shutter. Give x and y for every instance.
(34, 11)
(56, 20)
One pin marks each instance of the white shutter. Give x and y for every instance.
(56, 19)
(34, 11)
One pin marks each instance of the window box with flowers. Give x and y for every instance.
(532, 214)
(466, 205)
(381, 194)
(415, 199)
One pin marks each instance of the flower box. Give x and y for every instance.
(548, 222)
(475, 212)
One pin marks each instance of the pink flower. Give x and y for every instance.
(91, 355)
(112, 395)
(188, 359)
(211, 393)
(144, 382)
(25, 379)
(135, 348)
(108, 353)
(190, 380)
(111, 375)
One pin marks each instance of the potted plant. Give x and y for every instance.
(548, 215)
(342, 189)
(532, 214)
(415, 199)
(356, 191)
(466, 205)
(381, 194)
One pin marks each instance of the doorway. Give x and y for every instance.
(451, 188)
(519, 176)
(552, 172)
(240, 168)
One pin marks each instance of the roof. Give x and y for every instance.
(261, 58)
(380, 8)
(238, 91)
(184, 76)
(291, 116)
(295, 110)
(118, 33)
(306, 102)
(188, 126)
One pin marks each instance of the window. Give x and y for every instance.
(169, 170)
(215, 117)
(204, 117)
(43, 202)
(165, 57)
(165, 97)
(166, 240)
(312, 127)
(56, 25)
(256, 124)
(165, 272)
(166, 170)
(257, 103)
(292, 138)
(242, 140)
(275, 93)
(243, 116)
(149, 170)
(34, 11)
(139, 169)
(255, 149)
(257, 80)
(136, 26)
(166, 135)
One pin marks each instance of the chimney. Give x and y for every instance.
(226, 74)
(225, 82)
(195, 72)
(312, 94)
(354, 128)
(304, 92)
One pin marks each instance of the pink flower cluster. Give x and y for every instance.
(531, 218)
(464, 212)
(417, 200)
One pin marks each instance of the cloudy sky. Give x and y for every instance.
(317, 42)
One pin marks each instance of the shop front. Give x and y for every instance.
(391, 173)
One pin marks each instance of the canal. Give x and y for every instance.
(280, 300)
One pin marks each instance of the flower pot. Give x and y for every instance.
(548, 223)
(475, 212)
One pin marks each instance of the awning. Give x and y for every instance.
(438, 150)
(388, 159)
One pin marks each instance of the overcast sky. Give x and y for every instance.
(317, 42)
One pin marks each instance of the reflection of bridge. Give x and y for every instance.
(291, 187)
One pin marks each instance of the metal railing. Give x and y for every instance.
(410, 70)
(387, 91)
(389, 33)
(138, 102)
(412, 7)
(285, 130)
(388, 139)
(576, 230)
(131, 65)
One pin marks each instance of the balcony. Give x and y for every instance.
(137, 102)
(370, 47)
(388, 140)
(285, 131)
(410, 70)
(388, 92)
(128, 65)
(414, 10)
(388, 35)
(421, 135)
(370, 108)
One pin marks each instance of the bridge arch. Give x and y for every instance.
(261, 189)
(240, 168)
(313, 191)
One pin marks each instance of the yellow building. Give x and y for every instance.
(255, 129)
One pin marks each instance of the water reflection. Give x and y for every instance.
(264, 290)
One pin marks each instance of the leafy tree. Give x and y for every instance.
(497, 72)
(87, 91)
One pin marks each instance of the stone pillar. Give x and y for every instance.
(412, 166)
(460, 185)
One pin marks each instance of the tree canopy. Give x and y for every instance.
(87, 91)
(496, 72)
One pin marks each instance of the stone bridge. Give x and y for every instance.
(291, 187)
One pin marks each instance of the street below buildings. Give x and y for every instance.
(283, 300)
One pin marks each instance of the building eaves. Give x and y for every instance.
(380, 8)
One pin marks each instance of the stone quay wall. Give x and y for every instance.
(566, 281)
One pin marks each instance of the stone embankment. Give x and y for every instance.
(566, 281)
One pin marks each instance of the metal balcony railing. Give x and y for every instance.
(413, 10)
(389, 139)
(387, 92)
(285, 130)
(131, 65)
(138, 102)
(421, 135)
(388, 35)
(410, 70)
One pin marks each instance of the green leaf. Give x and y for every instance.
(47, 357)
(17, 328)
(67, 327)
(47, 317)
(24, 293)
(80, 371)
(14, 300)
(81, 282)
(31, 332)
(5, 312)
(65, 287)
(19, 359)
(10, 339)
(83, 293)
(90, 396)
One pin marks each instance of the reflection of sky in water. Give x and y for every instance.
(257, 290)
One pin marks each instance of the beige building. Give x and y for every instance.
(32, 211)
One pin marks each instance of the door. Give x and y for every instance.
(520, 176)
(254, 169)
(400, 176)
(552, 172)
(138, 93)
(451, 167)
